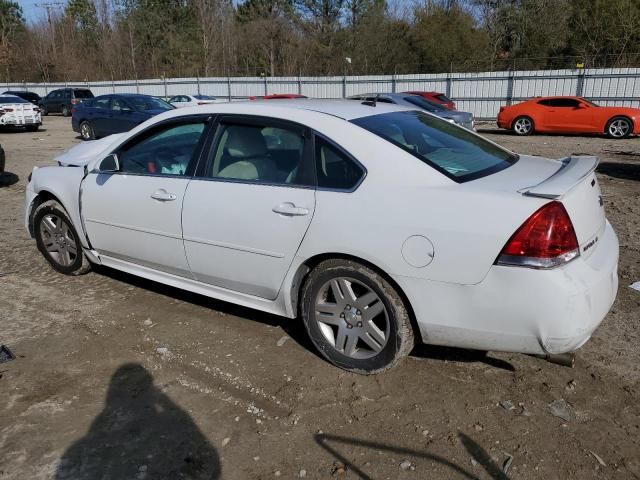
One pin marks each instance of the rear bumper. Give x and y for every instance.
(520, 309)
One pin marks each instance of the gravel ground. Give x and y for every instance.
(131, 379)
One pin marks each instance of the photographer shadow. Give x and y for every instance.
(140, 434)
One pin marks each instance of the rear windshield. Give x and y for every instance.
(83, 94)
(453, 151)
(425, 104)
(10, 99)
(144, 102)
(203, 97)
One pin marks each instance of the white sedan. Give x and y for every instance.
(17, 112)
(377, 225)
(180, 101)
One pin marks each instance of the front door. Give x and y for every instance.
(247, 211)
(135, 214)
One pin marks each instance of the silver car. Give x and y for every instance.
(464, 119)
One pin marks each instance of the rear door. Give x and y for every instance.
(250, 205)
(122, 116)
(98, 113)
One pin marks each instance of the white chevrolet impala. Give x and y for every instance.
(377, 225)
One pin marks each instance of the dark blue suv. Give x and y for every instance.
(115, 113)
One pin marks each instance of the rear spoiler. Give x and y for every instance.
(572, 170)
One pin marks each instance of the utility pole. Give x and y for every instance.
(48, 7)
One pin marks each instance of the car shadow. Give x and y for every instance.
(333, 443)
(140, 433)
(625, 171)
(460, 355)
(7, 179)
(293, 328)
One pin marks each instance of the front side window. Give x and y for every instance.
(119, 105)
(166, 150)
(453, 151)
(101, 102)
(260, 153)
(144, 102)
(334, 169)
(563, 103)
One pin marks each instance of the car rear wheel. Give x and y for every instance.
(86, 131)
(65, 111)
(619, 127)
(522, 126)
(355, 317)
(58, 240)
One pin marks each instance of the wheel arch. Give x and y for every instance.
(522, 115)
(42, 197)
(310, 263)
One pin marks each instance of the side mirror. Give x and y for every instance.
(581, 106)
(109, 164)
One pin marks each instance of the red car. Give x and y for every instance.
(569, 115)
(278, 96)
(437, 97)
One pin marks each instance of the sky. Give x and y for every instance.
(33, 13)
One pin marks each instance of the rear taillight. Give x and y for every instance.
(8, 109)
(36, 109)
(74, 101)
(547, 239)
(73, 110)
(202, 103)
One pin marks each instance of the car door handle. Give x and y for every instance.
(289, 209)
(163, 195)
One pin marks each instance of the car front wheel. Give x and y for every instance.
(619, 127)
(58, 240)
(86, 131)
(355, 317)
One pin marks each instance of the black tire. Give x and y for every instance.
(523, 126)
(400, 336)
(32, 128)
(44, 111)
(86, 131)
(79, 264)
(66, 111)
(619, 128)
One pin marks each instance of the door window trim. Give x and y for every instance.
(147, 132)
(206, 160)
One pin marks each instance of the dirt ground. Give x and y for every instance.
(133, 380)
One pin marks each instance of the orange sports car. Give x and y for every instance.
(569, 115)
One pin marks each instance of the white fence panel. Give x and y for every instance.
(480, 93)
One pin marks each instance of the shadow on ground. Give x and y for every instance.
(294, 328)
(625, 171)
(7, 179)
(333, 443)
(140, 434)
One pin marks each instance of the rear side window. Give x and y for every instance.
(260, 153)
(453, 151)
(82, 94)
(334, 169)
(443, 98)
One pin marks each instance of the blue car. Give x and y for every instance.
(107, 114)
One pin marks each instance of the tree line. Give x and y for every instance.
(137, 39)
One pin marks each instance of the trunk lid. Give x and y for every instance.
(570, 180)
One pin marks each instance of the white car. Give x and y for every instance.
(180, 101)
(17, 112)
(377, 225)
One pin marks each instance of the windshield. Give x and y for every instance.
(453, 151)
(424, 104)
(148, 103)
(588, 102)
(9, 99)
(203, 97)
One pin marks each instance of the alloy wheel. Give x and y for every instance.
(522, 126)
(58, 240)
(85, 130)
(352, 318)
(619, 128)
